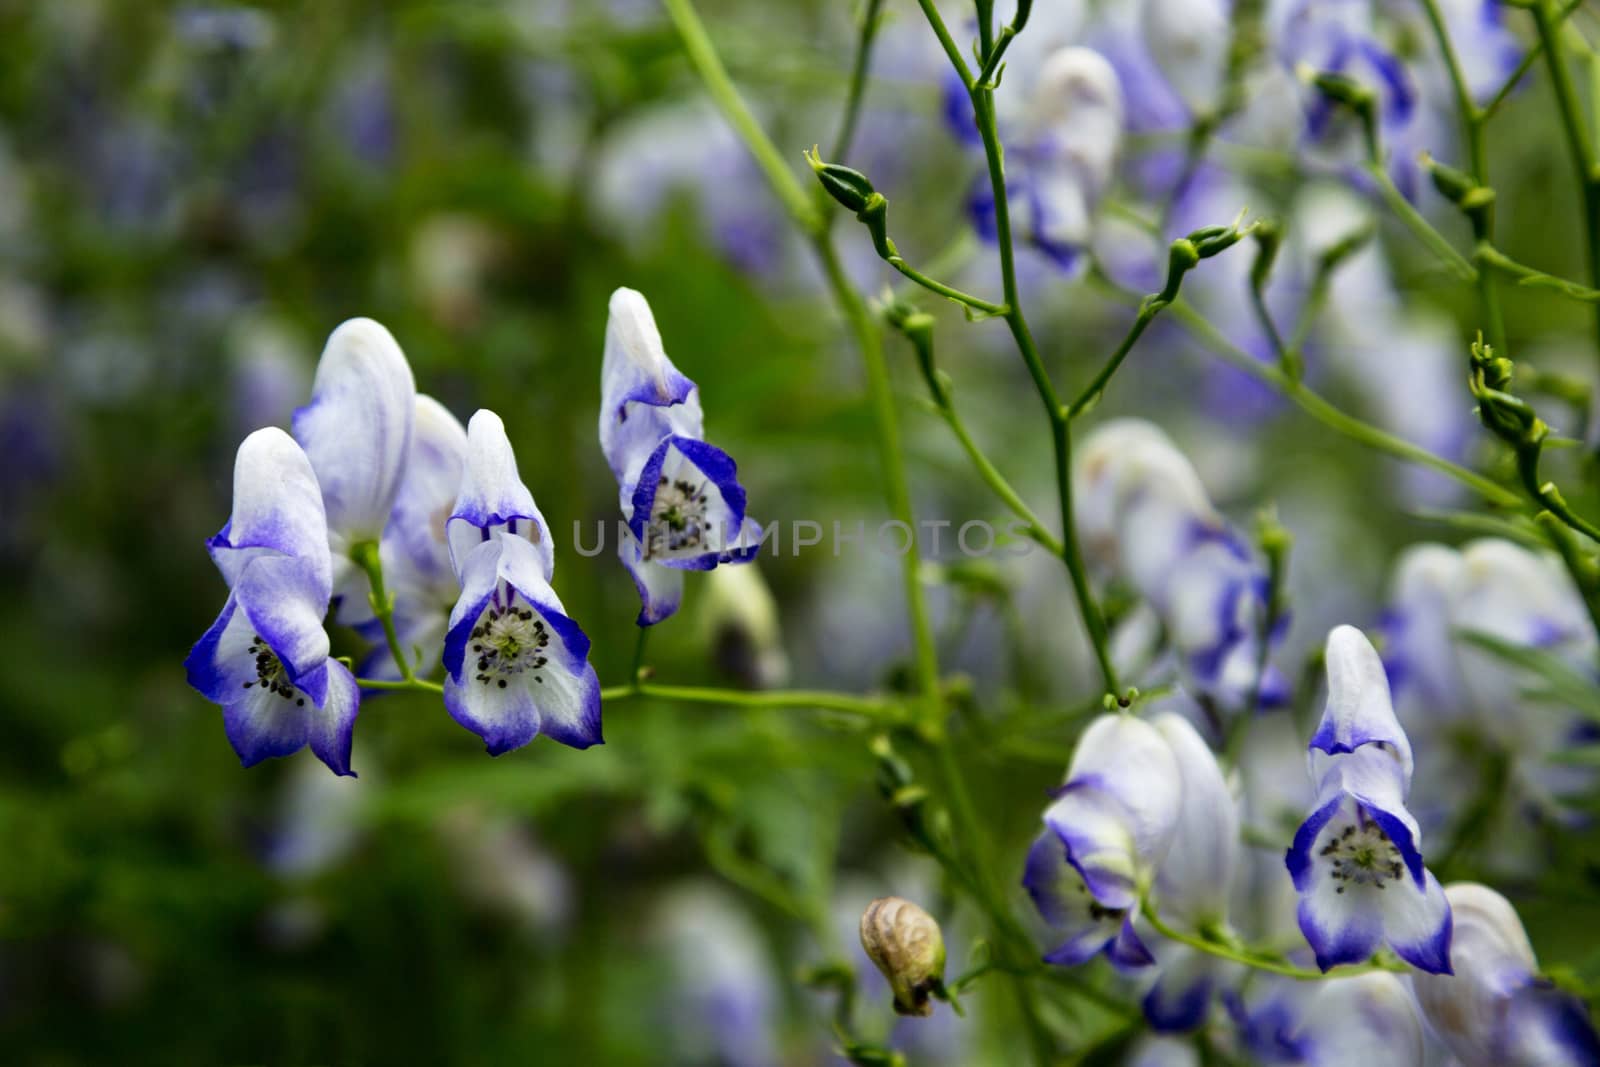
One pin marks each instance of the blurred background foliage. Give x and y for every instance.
(191, 198)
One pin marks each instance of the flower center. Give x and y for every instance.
(271, 674)
(677, 519)
(507, 642)
(1362, 854)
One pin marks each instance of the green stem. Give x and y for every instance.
(1333, 418)
(875, 708)
(1420, 226)
(858, 80)
(948, 292)
(365, 555)
(1488, 255)
(997, 481)
(636, 675)
(1578, 146)
(1149, 308)
(1254, 960)
(1058, 415)
(703, 56)
(1528, 60)
(1477, 152)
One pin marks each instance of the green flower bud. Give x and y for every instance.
(907, 946)
(1454, 185)
(1269, 238)
(850, 188)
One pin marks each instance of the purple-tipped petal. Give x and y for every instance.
(660, 588)
(285, 603)
(493, 500)
(277, 507)
(1358, 711)
(643, 397)
(1418, 925)
(1339, 927)
(330, 729)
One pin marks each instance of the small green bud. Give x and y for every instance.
(1269, 238)
(905, 943)
(1454, 185)
(1345, 90)
(850, 188)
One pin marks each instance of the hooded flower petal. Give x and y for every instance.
(493, 500)
(1130, 763)
(1358, 711)
(1367, 1019)
(1062, 899)
(357, 428)
(518, 665)
(643, 397)
(277, 507)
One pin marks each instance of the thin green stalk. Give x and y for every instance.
(858, 80)
(877, 709)
(1060, 431)
(1578, 146)
(1421, 227)
(1488, 110)
(933, 285)
(703, 56)
(997, 482)
(1488, 255)
(1253, 960)
(1148, 310)
(366, 556)
(1331, 416)
(1477, 153)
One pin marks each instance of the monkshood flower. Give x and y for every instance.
(518, 665)
(1108, 829)
(1496, 1011)
(1444, 604)
(1060, 166)
(1144, 518)
(357, 433)
(265, 659)
(681, 497)
(1194, 879)
(1367, 1019)
(1357, 859)
(415, 551)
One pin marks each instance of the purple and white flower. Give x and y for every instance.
(1366, 1019)
(681, 497)
(518, 665)
(1144, 518)
(1496, 1011)
(266, 658)
(1357, 859)
(1108, 829)
(1061, 166)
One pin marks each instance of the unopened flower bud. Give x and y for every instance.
(739, 621)
(1269, 238)
(849, 187)
(905, 943)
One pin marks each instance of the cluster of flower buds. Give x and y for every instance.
(1144, 518)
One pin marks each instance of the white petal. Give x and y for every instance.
(1196, 875)
(1358, 711)
(357, 428)
(493, 500)
(1127, 759)
(277, 507)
